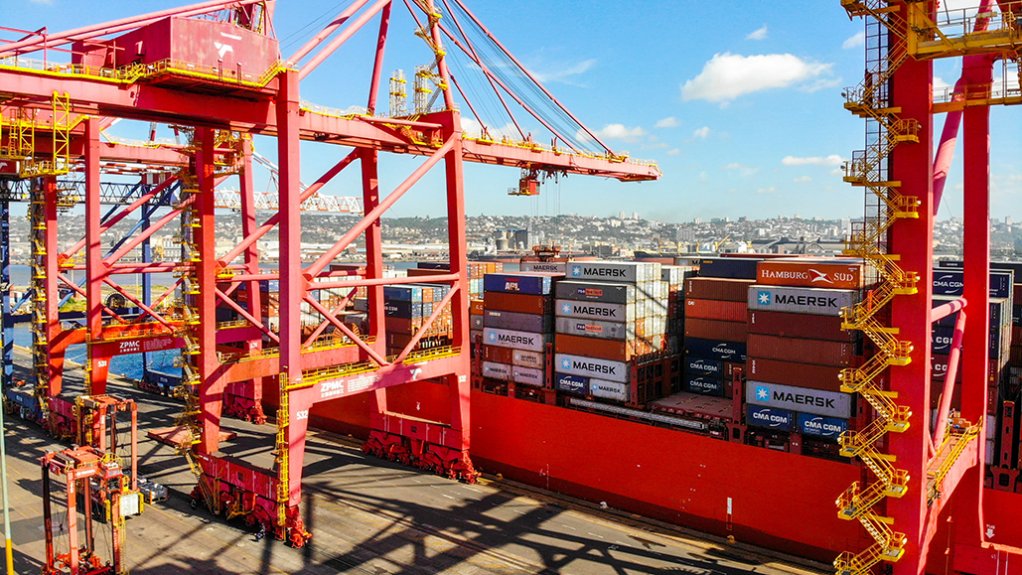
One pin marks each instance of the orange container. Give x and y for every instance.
(611, 350)
(811, 273)
(475, 307)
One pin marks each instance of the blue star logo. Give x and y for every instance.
(491, 336)
(566, 364)
(566, 308)
(576, 271)
(762, 393)
(764, 297)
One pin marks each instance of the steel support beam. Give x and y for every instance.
(95, 267)
(910, 238)
(211, 387)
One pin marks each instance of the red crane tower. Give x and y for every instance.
(921, 483)
(215, 68)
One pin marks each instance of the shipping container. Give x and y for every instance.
(820, 352)
(515, 339)
(787, 372)
(492, 370)
(704, 385)
(592, 367)
(498, 354)
(517, 321)
(718, 288)
(531, 283)
(530, 376)
(619, 312)
(626, 272)
(716, 309)
(799, 399)
(520, 303)
(596, 328)
(733, 268)
(713, 329)
(701, 366)
(612, 390)
(572, 384)
(523, 358)
(821, 426)
(608, 349)
(809, 326)
(800, 299)
(770, 418)
(595, 291)
(554, 267)
(949, 282)
(716, 349)
(811, 272)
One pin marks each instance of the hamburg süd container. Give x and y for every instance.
(806, 272)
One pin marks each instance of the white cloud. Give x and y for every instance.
(831, 160)
(668, 122)
(854, 41)
(802, 180)
(673, 152)
(758, 34)
(620, 132)
(701, 133)
(564, 74)
(766, 190)
(742, 169)
(727, 76)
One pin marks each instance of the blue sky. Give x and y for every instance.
(739, 102)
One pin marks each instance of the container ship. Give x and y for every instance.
(837, 408)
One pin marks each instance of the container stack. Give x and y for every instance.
(611, 329)
(476, 271)
(407, 307)
(715, 325)
(517, 317)
(797, 350)
(1001, 444)
(676, 278)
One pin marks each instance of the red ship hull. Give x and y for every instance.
(779, 500)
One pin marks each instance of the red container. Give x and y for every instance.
(1016, 293)
(804, 325)
(594, 347)
(817, 273)
(718, 289)
(716, 309)
(797, 350)
(413, 272)
(519, 303)
(822, 377)
(715, 329)
(498, 354)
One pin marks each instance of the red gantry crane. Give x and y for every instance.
(214, 72)
(925, 489)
